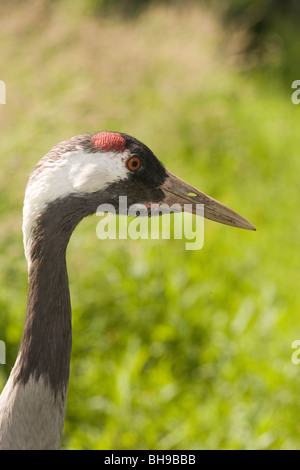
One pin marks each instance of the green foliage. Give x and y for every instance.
(172, 349)
(272, 33)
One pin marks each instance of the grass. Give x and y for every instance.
(172, 349)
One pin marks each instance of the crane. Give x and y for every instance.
(66, 185)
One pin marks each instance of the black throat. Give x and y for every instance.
(47, 336)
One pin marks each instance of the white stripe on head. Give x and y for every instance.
(73, 172)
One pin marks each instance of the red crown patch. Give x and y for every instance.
(109, 141)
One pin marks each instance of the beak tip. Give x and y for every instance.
(251, 227)
(247, 226)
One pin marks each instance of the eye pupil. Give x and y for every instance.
(133, 163)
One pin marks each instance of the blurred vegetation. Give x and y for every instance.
(172, 349)
(272, 28)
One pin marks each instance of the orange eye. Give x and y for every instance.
(133, 163)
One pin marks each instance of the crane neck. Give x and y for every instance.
(33, 402)
(45, 349)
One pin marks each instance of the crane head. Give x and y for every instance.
(87, 170)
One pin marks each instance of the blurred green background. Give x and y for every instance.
(172, 349)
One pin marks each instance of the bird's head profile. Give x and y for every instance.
(81, 173)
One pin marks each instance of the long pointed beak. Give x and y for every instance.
(179, 192)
